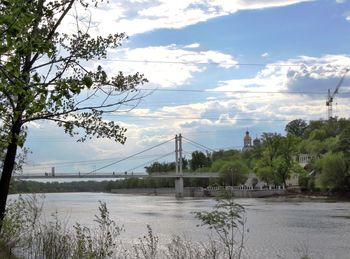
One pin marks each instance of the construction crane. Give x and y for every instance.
(330, 98)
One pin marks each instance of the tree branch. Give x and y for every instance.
(54, 28)
(98, 107)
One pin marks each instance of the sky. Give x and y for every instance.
(216, 69)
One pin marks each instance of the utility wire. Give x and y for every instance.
(128, 157)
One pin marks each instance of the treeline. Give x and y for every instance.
(103, 186)
(273, 159)
(328, 144)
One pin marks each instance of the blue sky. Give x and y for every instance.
(218, 67)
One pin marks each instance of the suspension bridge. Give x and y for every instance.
(178, 175)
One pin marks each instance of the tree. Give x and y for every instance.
(343, 144)
(276, 159)
(227, 220)
(157, 167)
(285, 161)
(265, 174)
(334, 172)
(44, 75)
(318, 124)
(199, 160)
(296, 127)
(234, 172)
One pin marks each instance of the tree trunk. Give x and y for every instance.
(7, 169)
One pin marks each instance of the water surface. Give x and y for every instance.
(278, 228)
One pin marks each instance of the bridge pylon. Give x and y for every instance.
(179, 182)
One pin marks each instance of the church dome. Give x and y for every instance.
(247, 140)
(256, 141)
(247, 137)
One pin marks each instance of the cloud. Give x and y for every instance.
(192, 46)
(347, 16)
(265, 55)
(269, 95)
(303, 73)
(267, 98)
(134, 17)
(170, 65)
(273, 92)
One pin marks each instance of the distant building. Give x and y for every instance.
(256, 142)
(247, 142)
(304, 159)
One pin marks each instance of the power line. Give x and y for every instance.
(128, 157)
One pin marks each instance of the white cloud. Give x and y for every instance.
(259, 94)
(286, 75)
(192, 46)
(140, 16)
(314, 74)
(265, 55)
(172, 66)
(230, 111)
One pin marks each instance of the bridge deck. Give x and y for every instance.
(125, 176)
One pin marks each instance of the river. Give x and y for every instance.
(278, 227)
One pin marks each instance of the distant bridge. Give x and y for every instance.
(178, 175)
(118, 176)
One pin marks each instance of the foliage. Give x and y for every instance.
(296, 127)
(45, 75)
(53, 239)
(343, 144)
(88, 186)
(334, 172)
(99, 243)
(157, 167)
(275, 162)
(265, 173)
(227, 220)
(225, 155)
(37, 239)
(304, 179)
(328, 143)
(148, 246)
(233, 172)
(199, 160)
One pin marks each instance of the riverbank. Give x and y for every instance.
(320, 195)
(161, 187)
(199, 192)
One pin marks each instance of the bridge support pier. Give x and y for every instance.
(179, 187)
(179, 181)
